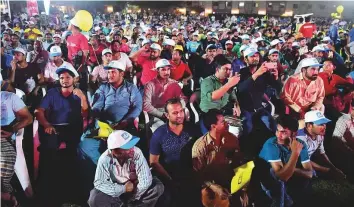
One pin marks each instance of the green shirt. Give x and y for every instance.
(208, 86)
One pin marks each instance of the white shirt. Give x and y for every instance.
(312, 145)
(50, 70)
(125, 60)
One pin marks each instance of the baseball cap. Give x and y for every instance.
(309, 62)
(326, 39)
(214, 37)
(155, 47)
(250, 51)
(295, 44)
(169, 42)
(30, 22)
(229, 42)
(319, 48)
(179, 47)
(273, 51)
(162, 63)
(195, 34)
(19, 49)
(243, 47)
(211, 47)
(107, 50)
(67, 67)
(316, 117)
(57, 35)
(121, 139)
(245, 37)
(259, 39)
(336, 21)
(55, 51)
(274, 42)
(174, 29)
(145, 41)
(115, 64)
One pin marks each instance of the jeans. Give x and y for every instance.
(248, 120)
(148, 199)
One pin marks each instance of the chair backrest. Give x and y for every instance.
(195, 98)
(20, 93)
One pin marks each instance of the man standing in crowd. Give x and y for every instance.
(63, 47)
(308, 29)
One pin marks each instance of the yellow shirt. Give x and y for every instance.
(16, 29)
(33, 33)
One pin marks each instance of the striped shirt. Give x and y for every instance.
(111, 177)
(313, 145)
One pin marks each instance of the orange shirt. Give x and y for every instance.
(330, 83)
(179, 71)
(307, 29)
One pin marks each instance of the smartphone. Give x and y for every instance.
(271, 66)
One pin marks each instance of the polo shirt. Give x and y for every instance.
(10, 104)
(178, 72)
(312, 145)
(208, 86)
(61, 110)
(274, 152)
(148, 72)
(169, 145)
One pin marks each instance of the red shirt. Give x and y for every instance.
(75, 43)
(179, 71)
(97, 53)
(330, 83)
(307, 29)
(148, 66)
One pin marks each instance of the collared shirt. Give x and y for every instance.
(330, 82)
(156, 95)
(298, 95)
(100, 74)
(10, 104)
(274, 152)
(313, 145)
(50, 70)
(114, 105)
(208, 86)
(148, 72)
(111, 177)
(344, 128)
(205, 152)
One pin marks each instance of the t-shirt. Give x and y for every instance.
(148, 66)
(96, 55)
(33, 33)
(124, 59)
(61, 110)
(274, 152)
(24, 74)
(312, 145)
(10, 104)
(179, 71)
(351, 35)
(76, 43)
(307, 29)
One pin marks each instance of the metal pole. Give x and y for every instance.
(8, 8)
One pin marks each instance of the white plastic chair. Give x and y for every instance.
(20, 93)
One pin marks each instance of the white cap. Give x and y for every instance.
(215, 37)
(155, 47)
(295, 44)
(19, 49)
(243, 47)
(115, 64)
(182, 27)
(57, 35)
(105, 51)
(316, 117)
(307, 62)
(174, 30)
(326, 39)
(121, 139)
(273, 51)
(55, 51)
(319, 48)
(160, 29)
(283, 31)
(274, 42)
(250, 51)
(336, 21)
(146, 41)
(162, 63)
(97, 28)
(259, 39)
(67, 67)
(245, 37)
(210, 33)
(195, 33)
(30, 22)
(169, 42)
(229, 42)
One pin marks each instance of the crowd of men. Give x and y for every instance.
(168, 87)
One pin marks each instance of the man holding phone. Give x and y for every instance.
(289, 162)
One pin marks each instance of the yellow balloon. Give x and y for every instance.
(83, 19)
(340, 9)
(333, 14)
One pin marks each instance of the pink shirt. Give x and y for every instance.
(50, 70)
(148, 66)
(298, 95)
(100, 74)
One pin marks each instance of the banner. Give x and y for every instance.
(32, 7)
(46, 6)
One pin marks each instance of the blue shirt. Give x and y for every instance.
(166, 143)
(192, 46)
(114, 105)
(351, 35)
(10, 104)
(60, 109)
(274, 152)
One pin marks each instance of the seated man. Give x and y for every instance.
(168, 152)
(215, 155)
(217, 90)
(14, 116)
(158, 91)
(123, 175)
(344, 130)
(313, 136)
(99, 74)
(303, 91)
(290, 168)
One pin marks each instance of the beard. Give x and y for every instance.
(66, 85)
(312, 78)
(253, 63)
(153, 57)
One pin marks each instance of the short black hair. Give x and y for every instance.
(301, 20)
(221, 60)
(307, 19)
(211, 117)
(172, 101)
(180, 52)
(288, 122)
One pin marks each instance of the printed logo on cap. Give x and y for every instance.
(319, 115)
(125, 135)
